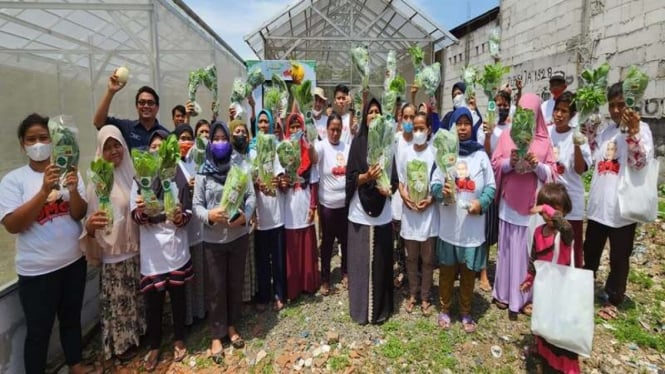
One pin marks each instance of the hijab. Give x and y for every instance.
(446, 122)
(182, 128)
(471, 145)
(271, 127)
(124, 237)
(217, 169)
(519, 190)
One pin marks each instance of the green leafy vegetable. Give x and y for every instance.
(429, 78)
(491, 78)
(391, 70)
(65, 149)
(380, 139)
(271, 99)
(147, 166)
(634, 85)
(469, 77)
(302, 94)
(255, 78)
(234, 191)
(101, 175)
(417, 180)
(399, 85)
(198, 152)
(288, 153)
(388, 101)
(239, 91)
(360, 59)
(265, 158)
(169, 154)
(522, 130)
(208, 78)
(446, 149)
(592, 93)
(417, 56)
(280, 85)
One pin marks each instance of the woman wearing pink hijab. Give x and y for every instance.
(516, 194)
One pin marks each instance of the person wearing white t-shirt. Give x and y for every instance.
(557, 87)
(461, 244)
(616, 150)
(419, 216)
(319, 112)
(341, 107)
(51, 269)
(404, 139)
(331, 157)
(573, 157)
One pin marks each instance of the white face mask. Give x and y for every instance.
(38, 151)
(419, 137)
(316, 113)
(459, 101)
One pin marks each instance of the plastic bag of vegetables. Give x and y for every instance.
(417, 180)
(302, 94)
(490, 81)
(469, 77)
(429, 78)
(398, 85)
(495, 43)
(169, 154)
(65, 149)
(391, 70)
(234, 192)
(521, 132)
(198, 152)
(288, 153)
(101, 175)
(360, 59)
(417, 57)
(277, 97)
(146, 165)
(590, 96)
(446, 149)
(265, 158)
(255, 78)
(208, 78)
(380, 139)
(634, 85)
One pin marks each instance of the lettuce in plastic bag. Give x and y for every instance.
(592, 93)
(265, 157)
(302, 94)
(279, 84)
(391, 70)
(522, 132)
(634, 85)
(65, 151)
(147, 166)
(417, 56)
(360, 59)
(429, 78)
(208, 78)
(101, 175)
(417, 180)
(234, 191)
(288, 153)
(380, 139)
(239, 91)
(255, 78)
(446, 149)
(169, 154)
(198, 152)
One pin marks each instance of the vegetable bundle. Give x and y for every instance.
(592, 94)
(198, 152)
(302, 94)
(495, 43)
(208, 78)
(521, 132)
(634, 85)
(169, 154)
(389, 97)
(265, 158)
(399, 85)
(380, 139)
(417, 57)
(234, 191)
(277, 97)
(429, 78)
(101, 175)
(288, 153)
(491, 81)
(65, 149)
(446, 149)
(360, 58)
(255, 78)
(147, 165)
(417, 180)
(469, 77)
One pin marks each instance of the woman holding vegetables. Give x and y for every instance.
(51, 278)
(516, 193)
(225, 238)
(369, 237)
(419, 217)
(461, 246)
(122, 311)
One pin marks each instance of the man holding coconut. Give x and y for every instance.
(136, 132)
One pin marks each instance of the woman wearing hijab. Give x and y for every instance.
(240, 157)
(302, 264)
(516, 194)
(225, 241)
(459, 89)
(369, 237)
(121, 310)
(270, 246)
(461, 245)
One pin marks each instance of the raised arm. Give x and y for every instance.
(102, 112)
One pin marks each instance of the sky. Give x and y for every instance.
(233, 19)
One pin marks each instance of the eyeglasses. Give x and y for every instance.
(146, 103)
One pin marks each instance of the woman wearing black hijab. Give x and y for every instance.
(370, 232)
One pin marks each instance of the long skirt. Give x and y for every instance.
(250, 287)
(511, 266)
(302, 262)
(194, 290)
(370, 273)
(122, 310)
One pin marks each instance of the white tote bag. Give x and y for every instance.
(638, 192)
(563, 304)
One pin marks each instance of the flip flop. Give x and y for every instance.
(500, 305)
(468, 324)
(608, 312)
(216, 357)
(179, 354)
(426, 308)
(150, 361)
(410, 304)
(279, 305)
(444, 321)
(485, 286)
(237, 342)
(527, 310)
(325, 290)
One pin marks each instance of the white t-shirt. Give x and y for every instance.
(322, 126)
(494, 138)
(332, 170)
(194, 226)
(547, 107)
(357, 213)
(346, 137)
(297, 203)
(417, 225)
(456, 225)
(564, 155)
(610, 156)
(52, 241)
(269, 209)
(164, 247)
(396, 201)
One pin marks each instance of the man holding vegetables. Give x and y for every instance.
(136, 132)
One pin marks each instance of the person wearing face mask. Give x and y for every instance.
(459, 101)
(51, 278)
(240, 157)
(461, 246)
(419, 218)
(557, 87)
(225, 241)
(404, 139)
(319, 112)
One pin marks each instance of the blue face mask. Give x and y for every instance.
(407, 127)
(221, 150)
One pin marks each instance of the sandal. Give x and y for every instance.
(468, 324)
(410, 304)
(426, 308)
(345, 282)
(485, 286)
(179, 353)
(500, 305)
(279, 305)
(128, 354)
(608, 312)
(151, 360)
(444, 321)
(325, 289)
(527, 310)
(237, 342)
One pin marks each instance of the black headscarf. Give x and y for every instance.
(183, 128)
(217, 169)
(469, 146)
(370, 198)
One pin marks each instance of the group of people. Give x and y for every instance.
(210, 262)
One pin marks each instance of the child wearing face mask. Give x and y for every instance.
(459, 101)
(419, 218)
